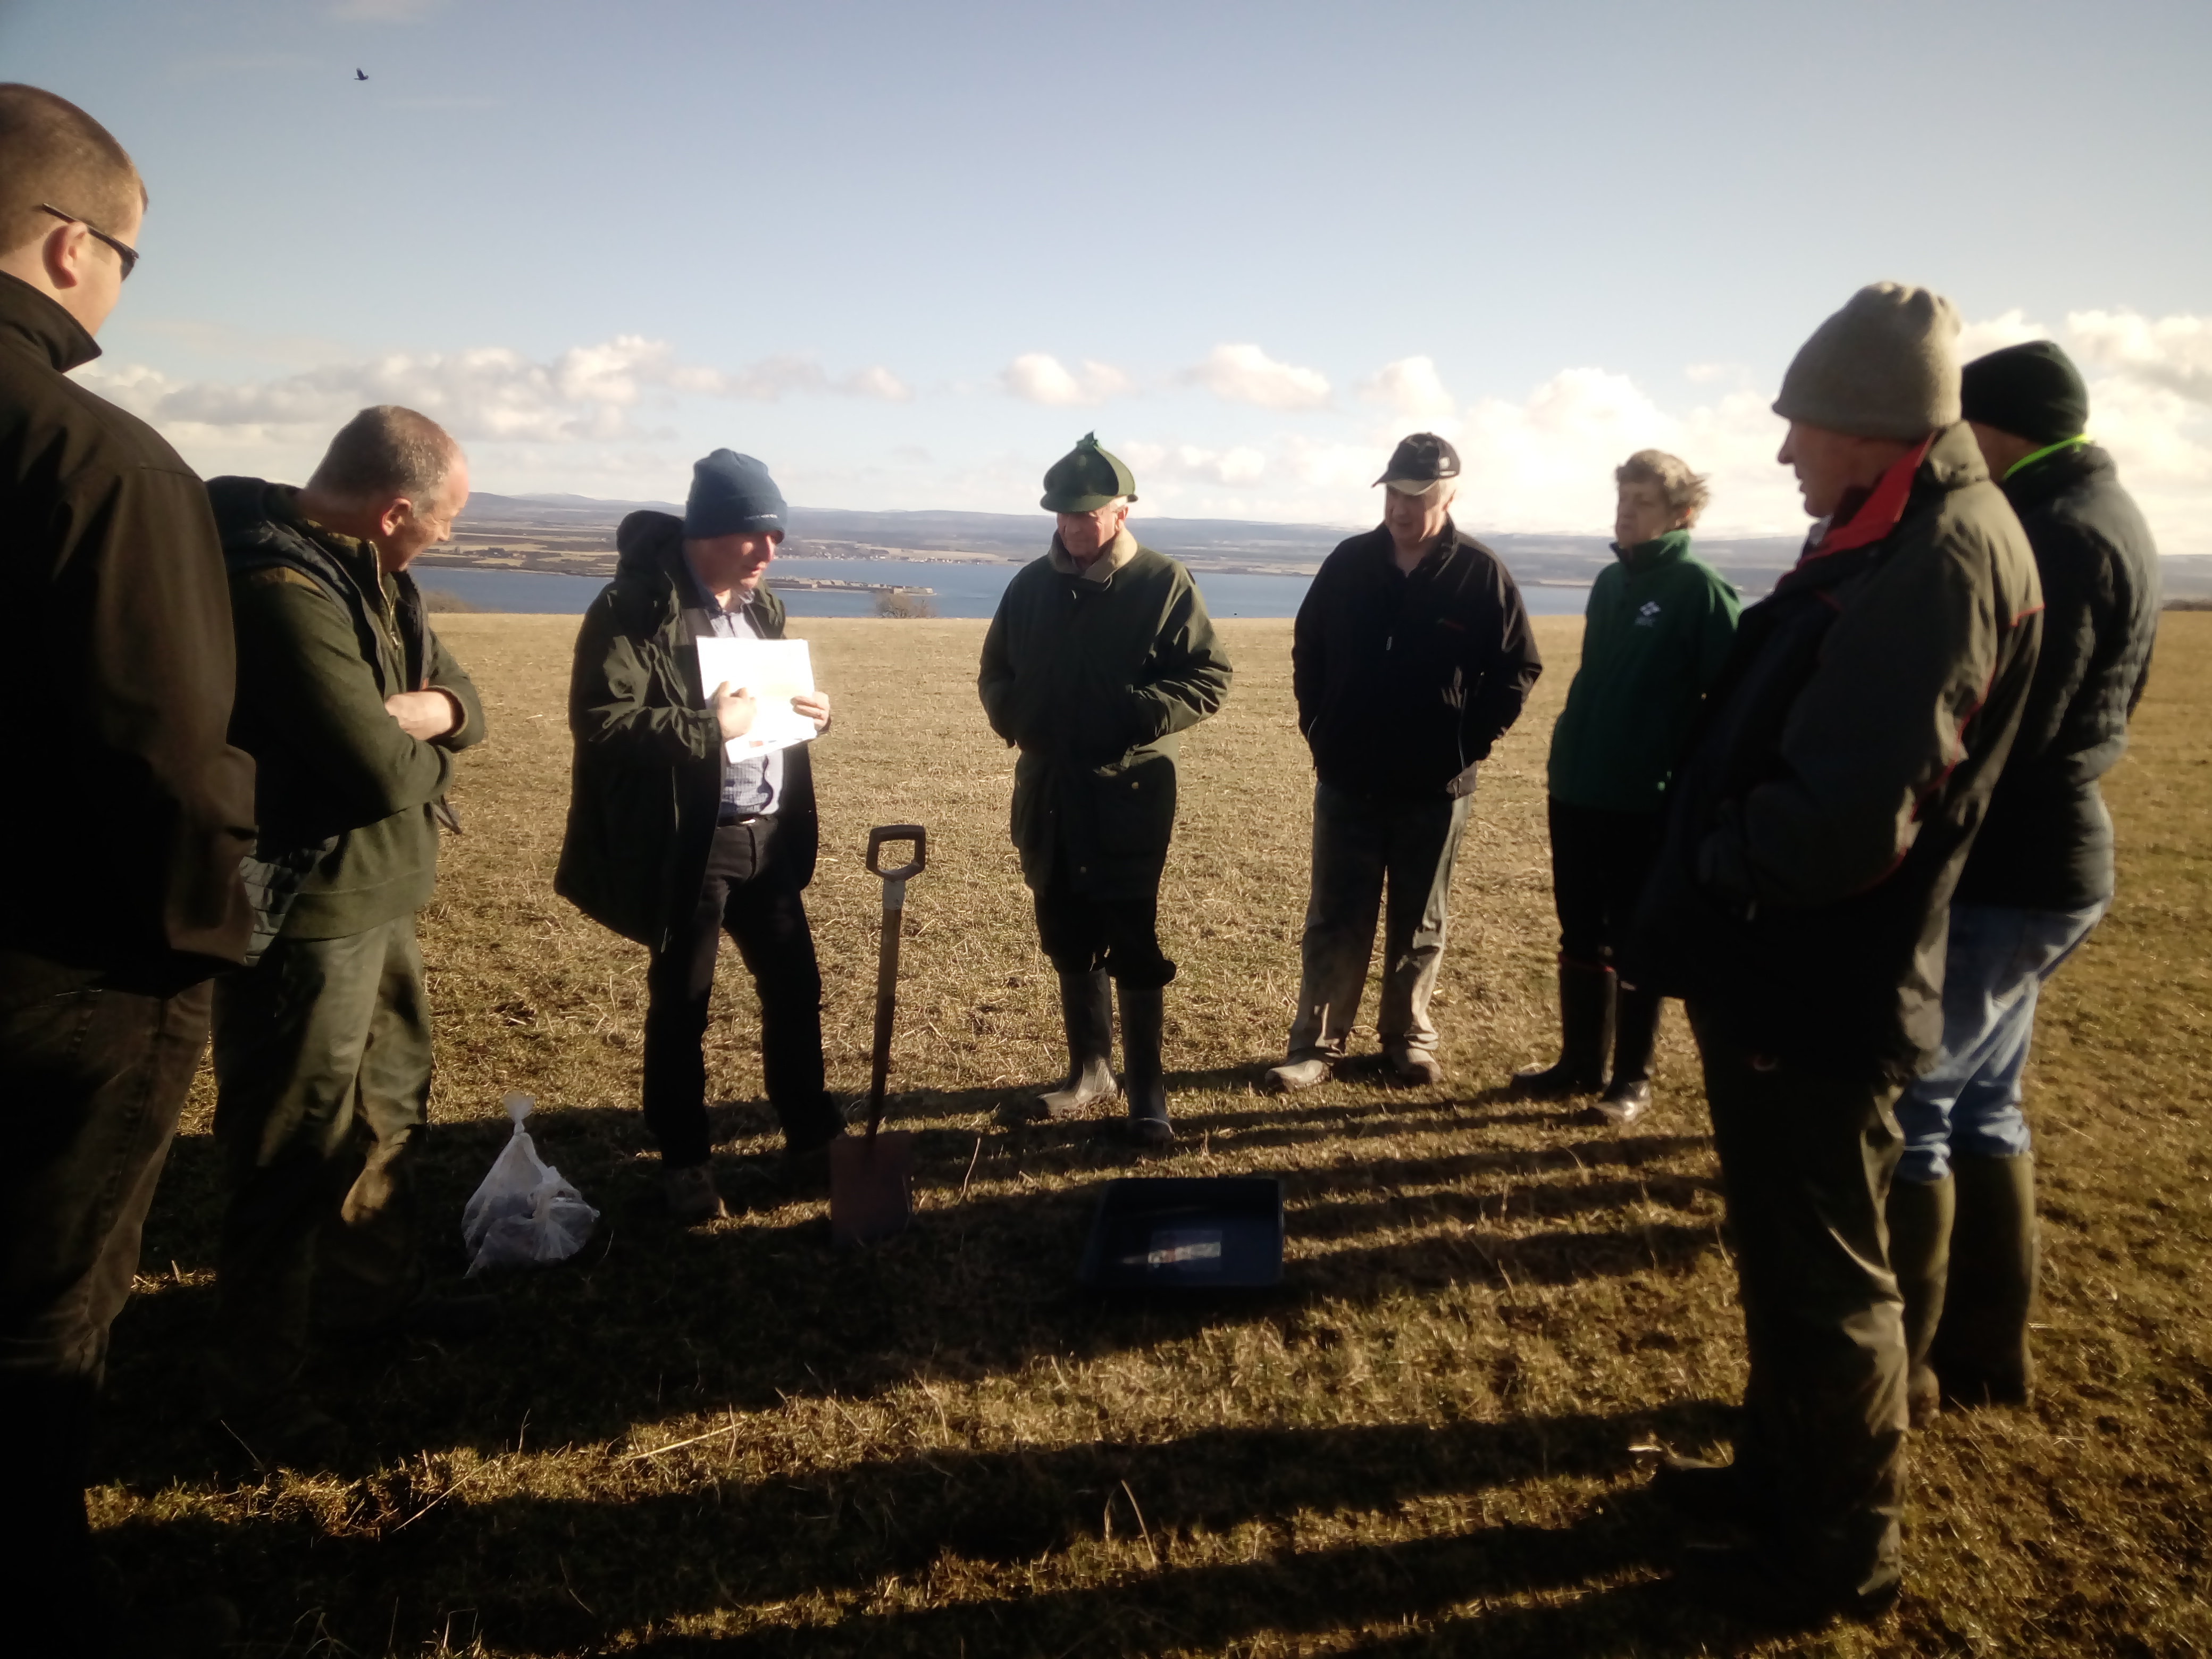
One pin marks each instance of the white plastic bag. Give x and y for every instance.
(523, 1215)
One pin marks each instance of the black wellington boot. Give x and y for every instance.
(1087, 1008)
(1981, 1352)
(1920, 1222)
(1635, 1034)
(1144, 1017)
(1585, 1038)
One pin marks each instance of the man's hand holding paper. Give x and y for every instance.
(764, 697)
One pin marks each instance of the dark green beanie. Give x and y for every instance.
(1085, 479)
(2032, 390)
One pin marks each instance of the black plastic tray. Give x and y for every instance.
(1187, 1233)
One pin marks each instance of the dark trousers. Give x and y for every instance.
(751, 895)
(322, 1065)
(1084, 934)
(1806, 1161)
(1360, 844)
(1599, 862)
(92, 1077)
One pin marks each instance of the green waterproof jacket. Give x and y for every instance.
(324, 638)
(647, 786)
(1093, 677)
(1655, 636)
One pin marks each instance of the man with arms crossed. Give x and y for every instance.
(1100, 657)
(672, 845)
(1798, 907)
(121, 843)
(353, 710)
(1412, 656)
(1962, 1213)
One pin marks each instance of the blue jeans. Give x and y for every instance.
(1968, 1100)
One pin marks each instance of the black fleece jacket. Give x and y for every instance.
(2047, 842)
(1405, 681)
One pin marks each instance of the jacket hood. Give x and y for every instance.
(2054, 475)
(243, 512)
(40, 325)
(650, 542)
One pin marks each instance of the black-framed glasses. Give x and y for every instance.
(124, 251)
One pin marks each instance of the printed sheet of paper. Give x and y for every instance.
(774, 672)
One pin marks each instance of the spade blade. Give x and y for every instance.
(870, 1187)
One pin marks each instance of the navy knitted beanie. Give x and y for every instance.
(731, 495)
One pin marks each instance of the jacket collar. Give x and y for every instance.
(2030, 486)
(1118, 552)
(1449, 541)
(1660, 550)
(32, 322)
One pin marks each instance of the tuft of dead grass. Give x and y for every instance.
(735, 1440)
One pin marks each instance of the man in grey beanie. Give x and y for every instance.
(670, 843)
(1799, 908)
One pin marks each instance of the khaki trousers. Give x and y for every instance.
(322, 1059)
(1806, 1162)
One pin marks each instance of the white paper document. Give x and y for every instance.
(774, 672)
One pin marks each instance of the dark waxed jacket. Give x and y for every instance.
(1404, 681)
(130, 810)
(2047, 844)
(647, 787)
(1096, 680)
(1847, 756)
(324, 637)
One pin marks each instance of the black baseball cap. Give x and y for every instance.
(1419, 463)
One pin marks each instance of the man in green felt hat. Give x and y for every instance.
(1100, 656)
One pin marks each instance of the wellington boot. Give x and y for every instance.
(1086, 1009)
(1919, 1254)
(1635, 1034)
(1981, 1351)
(1143, 1017)
(1585, 1038)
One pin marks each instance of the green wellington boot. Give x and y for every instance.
(1585, 1038)
(1086, 1009)
(1981, 1350)
(1919, 1254)
(1144, 1018)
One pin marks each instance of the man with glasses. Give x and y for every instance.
(127, 824)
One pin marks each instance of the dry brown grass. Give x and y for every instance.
(737, 1441)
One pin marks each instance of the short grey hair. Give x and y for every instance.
(386, 451)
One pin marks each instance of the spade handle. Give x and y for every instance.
(887, 957)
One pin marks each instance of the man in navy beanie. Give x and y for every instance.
(672, 844)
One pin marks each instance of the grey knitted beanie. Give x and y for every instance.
(1885, 365)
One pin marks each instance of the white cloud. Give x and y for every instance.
(2174, 352)
(1411, 387)
(2013, 328)
(1246, 374)
(588, 393)
(1234, 468)
(1037, 377)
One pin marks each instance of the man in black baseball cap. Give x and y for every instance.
(1961, 1212)
(1412, 656)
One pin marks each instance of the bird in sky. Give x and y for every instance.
(359, 75)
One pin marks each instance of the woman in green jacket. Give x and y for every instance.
(1656, 634)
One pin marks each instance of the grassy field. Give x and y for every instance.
(735, 1441)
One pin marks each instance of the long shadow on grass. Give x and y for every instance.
(654, 1323)
(527, 1566)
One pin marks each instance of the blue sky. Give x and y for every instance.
(908, 254)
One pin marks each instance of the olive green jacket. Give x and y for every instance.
(1093, 677)
(647, 786)
(324, 637)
